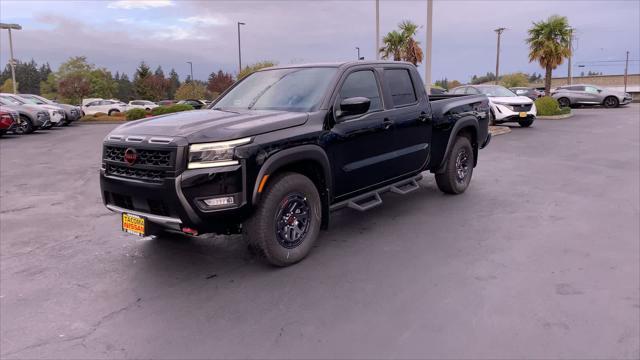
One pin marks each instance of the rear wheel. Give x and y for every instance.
(286, 222)
(611, 102)
(564, 102)
(24, 126)
(459, 168)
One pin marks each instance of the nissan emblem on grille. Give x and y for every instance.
(130, 156)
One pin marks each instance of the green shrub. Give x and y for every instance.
(548, 106)
(135, 114)
(171, 109)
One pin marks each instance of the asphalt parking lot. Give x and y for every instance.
(540, 258)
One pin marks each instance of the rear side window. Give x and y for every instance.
(362, 83)
(575, 88)
(401, 86)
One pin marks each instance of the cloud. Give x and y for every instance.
(177, 33)
(139, 4)
(206, 20)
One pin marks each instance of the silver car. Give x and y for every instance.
(590, 95)
(31, 117)
(71, 113)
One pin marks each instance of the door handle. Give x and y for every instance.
(424, 118)
(387, 123)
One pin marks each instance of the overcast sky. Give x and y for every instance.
(120, 34)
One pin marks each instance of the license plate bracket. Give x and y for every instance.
(134, 224)
(523, 114)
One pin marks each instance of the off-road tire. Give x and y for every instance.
(448, 181)
(261, 230)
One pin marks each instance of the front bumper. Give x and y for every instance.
(503, 114)
(177, 202)
(626, 100)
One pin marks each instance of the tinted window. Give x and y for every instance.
(575, 88)
(401, 86)
(591, 89)
(458, 90)
(362, 83)
(472, 91)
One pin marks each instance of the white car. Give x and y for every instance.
(56, 113)
(104, 106)
(505, 105)
(142, 104)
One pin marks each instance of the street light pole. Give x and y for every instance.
(626, 67)
(377, 29)
(569, 77)
(499, 32)
(193, 85)
(12, 61)
(429, 45)
(239, 50)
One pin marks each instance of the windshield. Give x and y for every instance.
(496, 91)
(33, 100)
(14, 100)
(298, 89)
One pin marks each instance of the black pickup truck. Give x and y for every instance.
(283, 147)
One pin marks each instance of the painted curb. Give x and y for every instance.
(499, 130)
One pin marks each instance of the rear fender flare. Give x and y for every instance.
(462, 123)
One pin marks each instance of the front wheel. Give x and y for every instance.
(287, 221)
(111, 112)
(611, 102)
(457, 173)
(24, 126)
(564, 102)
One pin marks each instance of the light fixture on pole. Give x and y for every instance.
(499, 32)
(239, 49)
(12, 61)
(359, 58)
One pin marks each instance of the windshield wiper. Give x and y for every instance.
(224, 110)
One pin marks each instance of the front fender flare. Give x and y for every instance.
(459, 125)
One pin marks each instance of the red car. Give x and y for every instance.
(7, 121)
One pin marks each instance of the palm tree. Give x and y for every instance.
(549, 43)
(411, 50)
(402, 45)
(393, 42)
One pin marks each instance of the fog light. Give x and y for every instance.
(221, 201)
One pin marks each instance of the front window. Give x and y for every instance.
(14, 100)
(496, 91)
(297, 89)
(34, 100)
(592, 89)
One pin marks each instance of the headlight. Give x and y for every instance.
(214, 154)
(505, 105)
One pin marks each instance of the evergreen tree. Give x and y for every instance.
(125, 88)
(141, 89)
(174, 84)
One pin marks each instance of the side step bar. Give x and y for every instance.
(372, 199)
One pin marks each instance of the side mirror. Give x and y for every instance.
(354, 106)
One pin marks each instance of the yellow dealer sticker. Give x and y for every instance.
(133, 224)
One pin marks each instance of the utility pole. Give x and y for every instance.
(357, 48)
(239, 51)
(569, 78)
(499, 32)
(377, 29)
(429, 46)
(626, 67)
(12, 61)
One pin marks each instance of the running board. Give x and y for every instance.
(373, 199)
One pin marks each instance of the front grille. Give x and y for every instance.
(521, 107)
(135, 173)
(145, 156)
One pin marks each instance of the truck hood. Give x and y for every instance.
(213, 125)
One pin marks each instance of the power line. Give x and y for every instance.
(604, 61)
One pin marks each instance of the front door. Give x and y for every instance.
(360, 145)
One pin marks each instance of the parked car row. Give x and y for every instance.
(111, 106)
(33, 112)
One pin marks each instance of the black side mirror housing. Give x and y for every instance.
(354, 106)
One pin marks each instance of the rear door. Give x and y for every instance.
(408, 108)
(360, 145)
